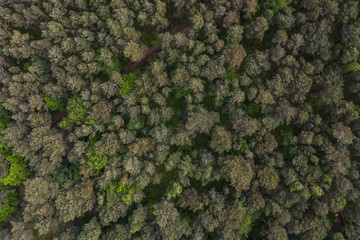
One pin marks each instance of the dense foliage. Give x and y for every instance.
(179, 119)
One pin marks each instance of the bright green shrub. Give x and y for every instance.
(18, 171)
(27, 65)
(91, 122)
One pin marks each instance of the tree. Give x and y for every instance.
(201, 121)
(40, 194)
(342, 133)
(21, 230)
(118, 232)
(8, 203)
(277, 232)
(239, 171)
(137, 219)
(18, 171)
(141, 147)
(231, 217)
(133, 51)
(220, 139)
(268, 178)
(276, 5)
(192, 199)
(76, 201)
(268, 145)
(108, 144)
(258, 28)
(174, 190)
(235, 54)
(244, 124)
(91, 230)
(100, 112)
(77, 113)
(167, 217)
(306, 137)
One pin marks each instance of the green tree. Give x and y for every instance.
(18, 171)
(268, 178)
(77, 112)
(53, 104)
(352, 67)
(128, 83)
(239, 171)
(8, 203)
(96, 162)
(5, 118)
(276, 5)
(125, 191)
(220, 139)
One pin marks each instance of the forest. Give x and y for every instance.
(179, 119)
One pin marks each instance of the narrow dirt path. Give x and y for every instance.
(58, 117)
(151, 51)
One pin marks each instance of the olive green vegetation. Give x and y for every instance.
(5, 118)
(53, 105)
(9, 204)
(125, 192)
(76, 112)
(352, 67)
(173, 120)
(67, 172)
(128, 82)
(276, 5)
(96, 162)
